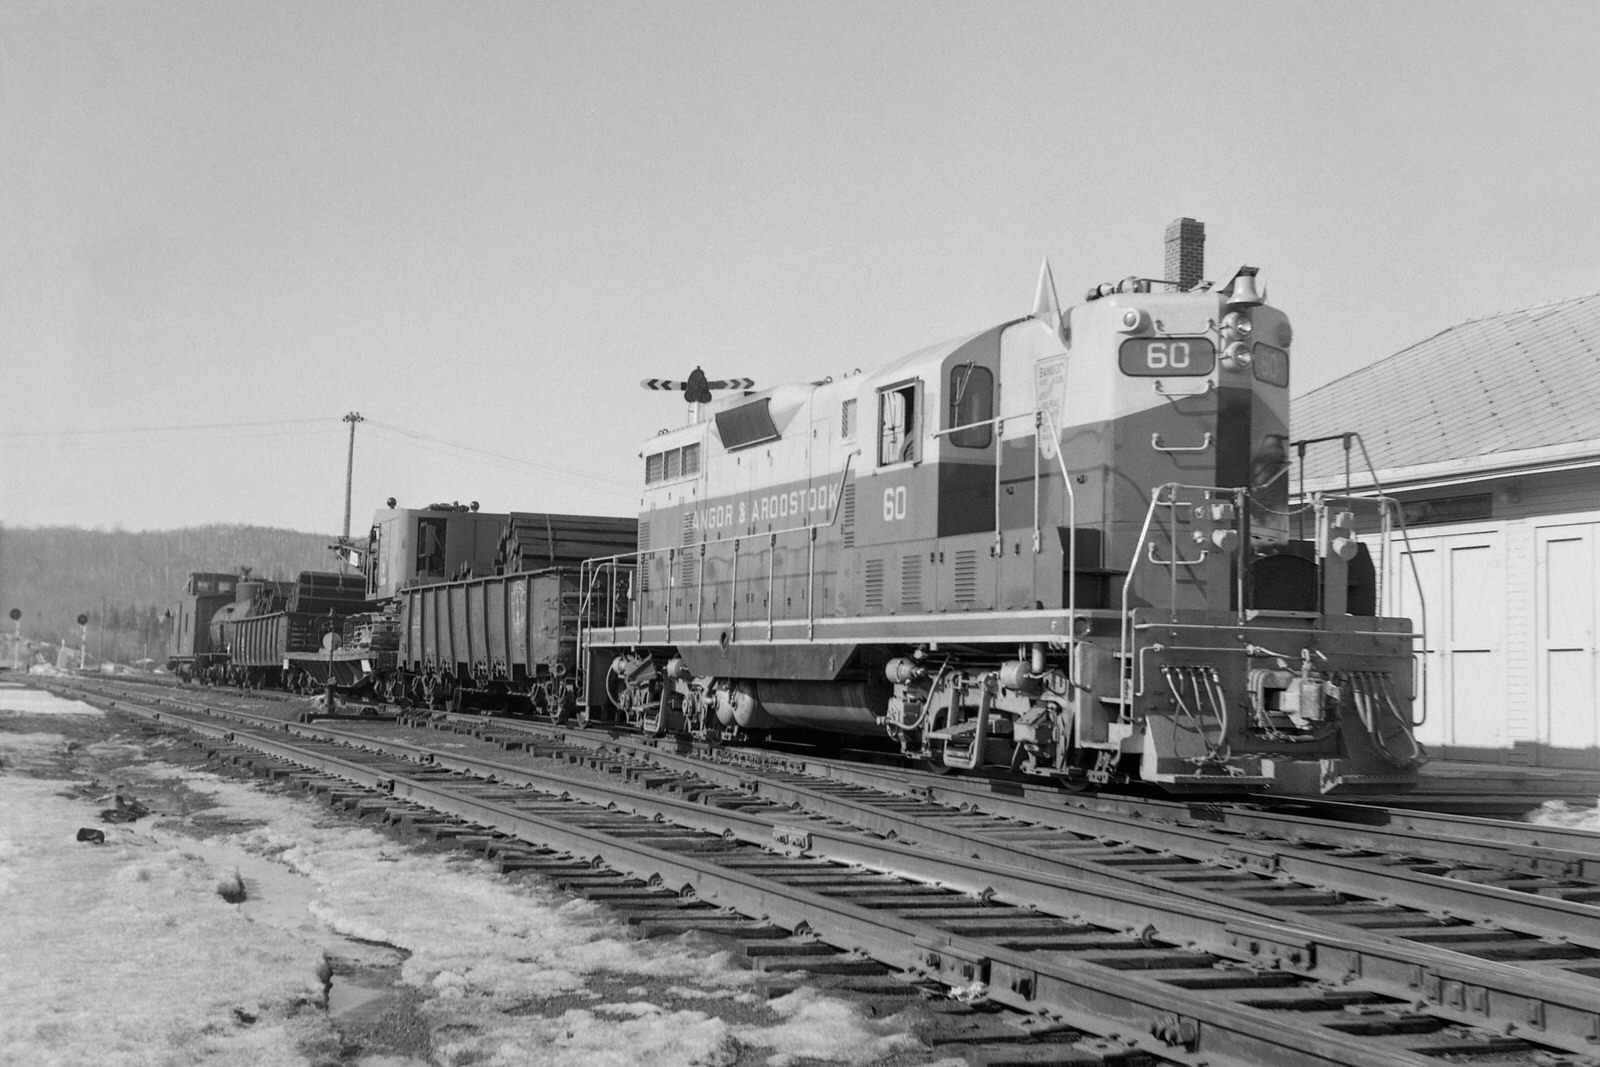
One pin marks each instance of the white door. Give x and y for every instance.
(1463, 582)
(1565, 635)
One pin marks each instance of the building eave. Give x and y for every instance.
(1574, 455)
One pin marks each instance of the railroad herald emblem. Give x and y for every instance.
(1050, 392)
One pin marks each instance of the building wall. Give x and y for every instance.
(1511, 610)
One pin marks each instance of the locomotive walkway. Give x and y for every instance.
(1116, 931)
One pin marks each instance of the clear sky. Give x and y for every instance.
(224, 225)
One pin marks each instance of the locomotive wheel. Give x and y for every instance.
(566, 703)
(934, 761)
(616, 689)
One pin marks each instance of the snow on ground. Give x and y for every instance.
(124, 953)
(1571, 816)
(18, 700)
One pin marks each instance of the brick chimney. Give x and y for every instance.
(1186, 252)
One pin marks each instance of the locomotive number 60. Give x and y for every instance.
(1165, 357)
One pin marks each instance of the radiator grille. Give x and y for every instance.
(874, 585)
(966, 576)
(911, 583)
(847, 517)
(686, 558)
(644, 536)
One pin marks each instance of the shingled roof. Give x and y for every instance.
(1493, 393)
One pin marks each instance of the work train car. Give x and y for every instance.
(509, 639)
(281, 642)
(406, 547)
(261, 633)
(191, 651)
(414, 622)
(1060, 546)
(421, 546)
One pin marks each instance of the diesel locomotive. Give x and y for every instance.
(1063, 545)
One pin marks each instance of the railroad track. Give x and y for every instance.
(1154, 932)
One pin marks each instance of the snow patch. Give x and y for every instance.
(1570, 816)
(25, 700)
(123, 953)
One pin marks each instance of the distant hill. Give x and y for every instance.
(53, 573)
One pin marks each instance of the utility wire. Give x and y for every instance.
(290, 427)
(106, 430)
(520, 461)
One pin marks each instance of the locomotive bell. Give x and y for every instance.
(1243, 292)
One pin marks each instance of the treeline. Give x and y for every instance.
(125, 582)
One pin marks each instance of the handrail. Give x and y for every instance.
(1240, 496)
(1044, 420)
(614, 564)
(1405, 535)
(1203, 446)
(1125, 636)
(1180, 394)
(1387, 507)
(998, 423)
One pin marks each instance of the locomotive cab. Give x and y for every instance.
(191, 647)
(415, 546)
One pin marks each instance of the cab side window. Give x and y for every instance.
(430, 548)
(900, 424)
(971, 405)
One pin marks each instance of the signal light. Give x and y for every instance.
(1133, 320)
(1340, 537)
(1235, 326)
(1236, 356)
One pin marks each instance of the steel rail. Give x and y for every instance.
(1475, 992)
(1565, 851)
(1429, 893)
(1565, 1009)
(1289, 857)
(1025, 980)
(1571, 851)
(1446, 827)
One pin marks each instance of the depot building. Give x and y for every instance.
(1488, 436)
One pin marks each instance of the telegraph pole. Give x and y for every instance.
(350, 469)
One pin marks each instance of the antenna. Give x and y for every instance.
(696, 388)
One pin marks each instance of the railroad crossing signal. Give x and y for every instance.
(696, 389)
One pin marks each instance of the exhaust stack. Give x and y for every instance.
(1186, 252)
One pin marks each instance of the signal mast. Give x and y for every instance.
(697, 389)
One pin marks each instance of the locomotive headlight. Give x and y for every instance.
(1235, 326)
(1132, 320)
(1236, 356)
